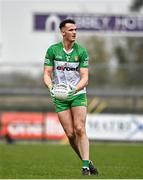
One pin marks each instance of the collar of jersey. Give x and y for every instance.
(66, 50)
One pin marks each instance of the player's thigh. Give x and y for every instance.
(66, 121)
(79, 116)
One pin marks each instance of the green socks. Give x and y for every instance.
(85, 164)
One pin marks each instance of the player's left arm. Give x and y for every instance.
(83, 79)
(84, 58)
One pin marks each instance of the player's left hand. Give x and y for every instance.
(71, 92)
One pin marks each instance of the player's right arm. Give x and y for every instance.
(48, 71)
(48, 67)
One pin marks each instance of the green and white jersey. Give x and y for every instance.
(67, 65)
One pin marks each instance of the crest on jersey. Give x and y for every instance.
(76, 58)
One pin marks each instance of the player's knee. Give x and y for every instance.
(80, 131)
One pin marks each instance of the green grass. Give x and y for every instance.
(47, 161)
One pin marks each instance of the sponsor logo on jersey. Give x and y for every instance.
(85, 63)
(87, 58)
(58, 57)
(66, 68)
(47, 61)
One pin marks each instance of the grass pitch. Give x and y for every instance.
(51, 161)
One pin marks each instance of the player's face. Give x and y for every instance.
(69, 32)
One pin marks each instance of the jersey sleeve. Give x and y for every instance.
(84, 59)
(49, 57)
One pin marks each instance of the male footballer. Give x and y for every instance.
(66, 76)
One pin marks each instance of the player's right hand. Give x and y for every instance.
(51, 89)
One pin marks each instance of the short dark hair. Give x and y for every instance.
(62, 24)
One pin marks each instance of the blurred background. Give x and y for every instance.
(112, 31)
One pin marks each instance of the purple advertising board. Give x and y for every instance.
(90, 22)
